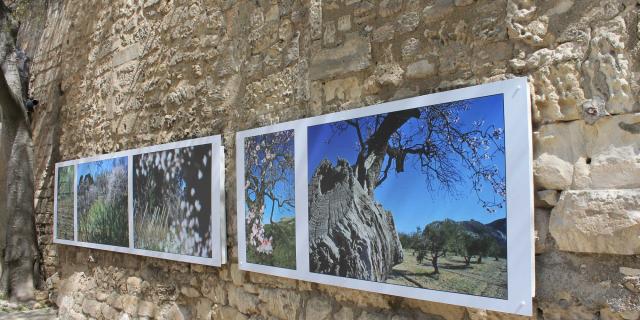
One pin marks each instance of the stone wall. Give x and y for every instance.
(115, 75)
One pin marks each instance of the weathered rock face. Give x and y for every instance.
(350, 235)
(597, 221)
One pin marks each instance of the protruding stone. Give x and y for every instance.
(437, 11)
(420, 69)
(280, 303)
(551, 172)
(597, 221)
(245, 302)
(408, 22)
(92, 308)
(190, 292)
(318, 308)
(130, 304)
(389, 74)
(410, 48)
(383, 33)
(353, 55)
(134, 285)
(146, 309)
(345, 313)
(547, 198)
(389, 7)
(630, 272)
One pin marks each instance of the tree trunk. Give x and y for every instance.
(20, 270)
(434, 263)
(369, 163)
(479, 261)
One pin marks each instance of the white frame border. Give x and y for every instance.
(519, 179)
(218, 241)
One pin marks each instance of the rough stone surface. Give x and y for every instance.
(127, 74)
(597, 221)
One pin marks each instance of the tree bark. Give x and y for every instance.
(369, 163)
(19, 257)
(434, 263)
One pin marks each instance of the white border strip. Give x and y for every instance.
(218, 241)
(519, 178)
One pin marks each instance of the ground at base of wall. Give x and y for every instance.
(40, 308)
(39, 314)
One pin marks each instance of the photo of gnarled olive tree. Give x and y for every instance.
(172, 201)
(65, 203)
(413, 198)
(103, 202)
(270, 199)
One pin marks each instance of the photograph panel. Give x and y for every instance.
(414, 198)
(103, 202)
(64, 209)
(172, 201)
(269, 197)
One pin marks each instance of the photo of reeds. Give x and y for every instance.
(102, 202)
(64, 227)
(172, 201)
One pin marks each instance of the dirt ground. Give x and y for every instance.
(488, 279)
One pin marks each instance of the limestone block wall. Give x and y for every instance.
(120, 74)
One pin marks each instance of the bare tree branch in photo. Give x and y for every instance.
(269, 163)
(435, 141)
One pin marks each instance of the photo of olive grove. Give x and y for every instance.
(64, 209)
(270, 199)
(413, 197)
(102, 202)
(172, 201)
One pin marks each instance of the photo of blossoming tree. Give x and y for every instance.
(102, 202)
(65, 203)
(172, 201)
(413, 198)
(270, 199)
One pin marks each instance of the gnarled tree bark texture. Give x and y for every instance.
(19, 256)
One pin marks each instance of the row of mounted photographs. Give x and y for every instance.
(424, 198)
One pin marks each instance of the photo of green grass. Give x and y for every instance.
(172, 201)
(102, 202)
(64, 227)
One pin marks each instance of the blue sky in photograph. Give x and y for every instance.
(97, 167)
(406, 194)
(278, 213)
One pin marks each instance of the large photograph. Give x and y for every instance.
(270, 199)
(64, 203)
(172, 201)
(103, 202)
(413, 198)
